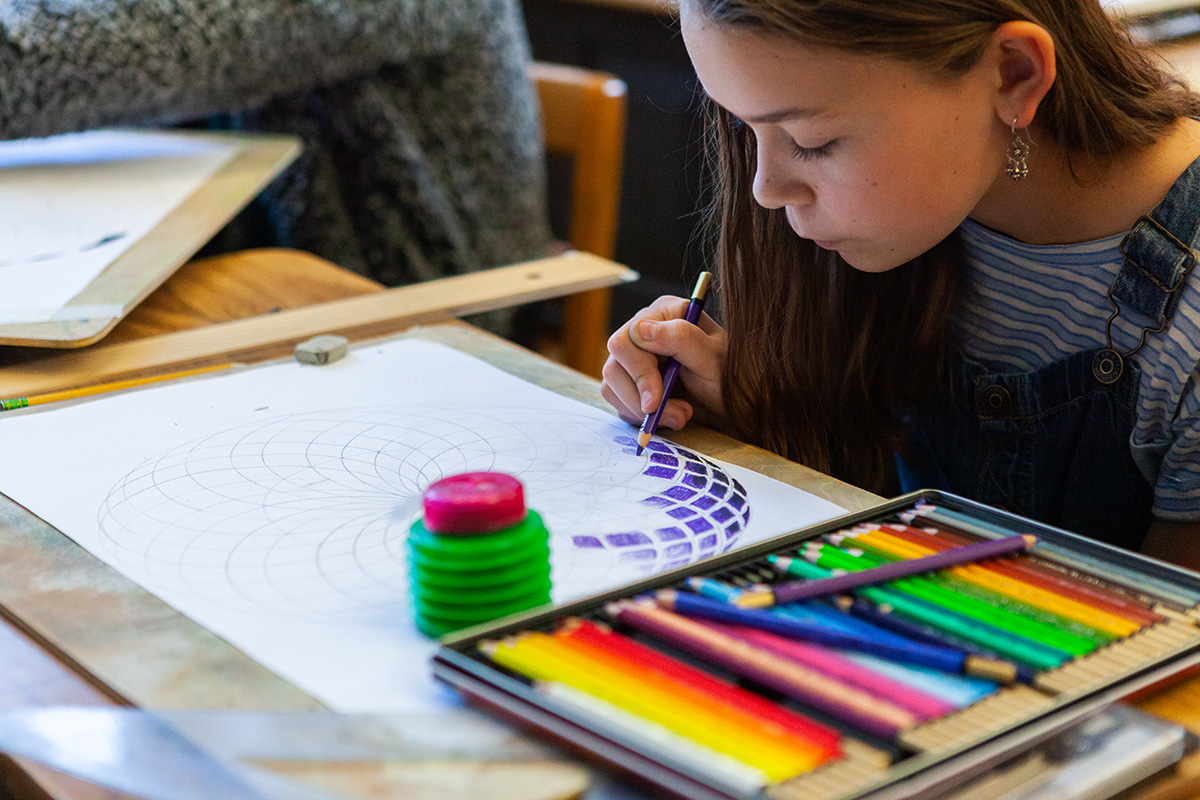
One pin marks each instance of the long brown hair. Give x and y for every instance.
(822, 356)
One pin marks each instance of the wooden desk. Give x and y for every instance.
(129, 647)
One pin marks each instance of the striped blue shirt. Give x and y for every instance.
(1025, 306)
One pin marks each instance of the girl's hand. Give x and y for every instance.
(633, 372)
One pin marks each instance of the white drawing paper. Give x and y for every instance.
(71, 204)
(271, 504)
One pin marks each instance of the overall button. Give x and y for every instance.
(1107, 366)
(995, 399)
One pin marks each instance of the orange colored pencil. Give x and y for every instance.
(737, 721)
(1022, 569)
(1092, 617)
(1095, 588)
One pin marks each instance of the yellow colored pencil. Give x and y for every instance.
(980, 575)
(784, 749)
(721, 766)
(101, 388)
(530, 655)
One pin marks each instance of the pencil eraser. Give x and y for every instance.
(322, 349)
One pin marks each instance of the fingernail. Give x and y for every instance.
(646, 397)
(646, 330)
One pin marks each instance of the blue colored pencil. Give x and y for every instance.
(711, 587)
(942, 658)
(650, 423)
(961, 690)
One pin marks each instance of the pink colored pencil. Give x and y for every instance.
(843, 669)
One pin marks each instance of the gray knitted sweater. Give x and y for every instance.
(422, 148)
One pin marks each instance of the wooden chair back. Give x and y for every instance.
(583, 117)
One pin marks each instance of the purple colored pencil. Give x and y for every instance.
(792, 591)
(650, 423)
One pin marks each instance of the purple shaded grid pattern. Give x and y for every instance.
(704, 510)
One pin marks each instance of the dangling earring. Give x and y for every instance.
(1018, 167)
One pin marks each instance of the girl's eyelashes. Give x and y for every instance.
(806, 153)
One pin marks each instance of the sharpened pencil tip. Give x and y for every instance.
(1030, 539)
(643, 440)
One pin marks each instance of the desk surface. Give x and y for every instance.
(148, 654)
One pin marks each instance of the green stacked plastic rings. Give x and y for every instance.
(466, 571)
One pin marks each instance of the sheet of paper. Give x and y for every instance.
(71, 204)
(271, 504)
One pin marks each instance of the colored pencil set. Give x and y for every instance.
(814, 668)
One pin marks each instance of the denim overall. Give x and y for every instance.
(1054, 444)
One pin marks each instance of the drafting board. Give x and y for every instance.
(212, 504)
(255, 159)
(1139, 8)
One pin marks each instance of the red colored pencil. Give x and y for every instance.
(606, 641)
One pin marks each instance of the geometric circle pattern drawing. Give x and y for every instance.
(308, 513)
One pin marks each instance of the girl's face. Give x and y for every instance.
(869, 156)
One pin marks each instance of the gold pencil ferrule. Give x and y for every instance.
(754, 600)
(990, 668)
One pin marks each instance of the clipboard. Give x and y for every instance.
(142, 268)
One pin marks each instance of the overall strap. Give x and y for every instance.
(1159, 255)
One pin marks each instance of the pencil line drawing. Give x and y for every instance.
(308, 513)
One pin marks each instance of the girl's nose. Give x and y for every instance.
(778, 181)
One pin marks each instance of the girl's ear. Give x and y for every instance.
(1023, 54)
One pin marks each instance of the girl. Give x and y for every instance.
(954, 251)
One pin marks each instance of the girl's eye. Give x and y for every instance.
(807, 153)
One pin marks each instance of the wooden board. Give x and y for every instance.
(150, 261)
(269, 335)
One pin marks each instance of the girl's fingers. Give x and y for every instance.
(638, 349)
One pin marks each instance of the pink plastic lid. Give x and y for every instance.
(474, 502)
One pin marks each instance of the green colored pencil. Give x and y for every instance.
(984, 635)
(987, 636)
(1056, 630)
